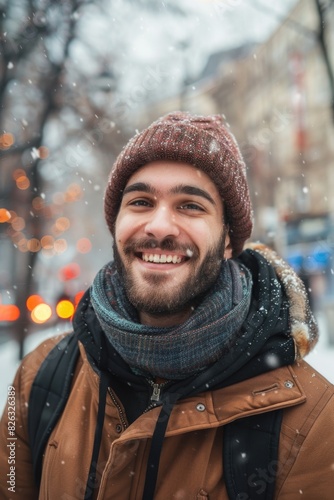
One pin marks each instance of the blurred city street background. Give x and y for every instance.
(78, 78)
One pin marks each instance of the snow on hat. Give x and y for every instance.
(202, 141)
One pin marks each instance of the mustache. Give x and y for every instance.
(166, 244)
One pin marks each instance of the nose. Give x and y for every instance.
(162, 223)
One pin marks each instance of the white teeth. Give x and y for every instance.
(161, 259)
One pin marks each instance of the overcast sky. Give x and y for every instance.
(210, 25)
(137, 36)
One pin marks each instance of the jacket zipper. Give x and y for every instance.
(155, 398)
(156, 392)
(119, 409)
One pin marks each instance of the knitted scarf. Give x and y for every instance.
(179, 351)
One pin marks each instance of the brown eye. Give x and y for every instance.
(191, 206)
(140, 203)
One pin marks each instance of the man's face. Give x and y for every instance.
(170, 237)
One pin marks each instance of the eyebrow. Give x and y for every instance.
(180, 189)
(194, 191)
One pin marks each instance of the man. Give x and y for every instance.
(190, 382)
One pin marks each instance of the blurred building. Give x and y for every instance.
(278, 101)
(287, 133)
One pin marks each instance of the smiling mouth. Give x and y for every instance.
(162, 258)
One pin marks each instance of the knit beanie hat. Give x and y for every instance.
(202, 141)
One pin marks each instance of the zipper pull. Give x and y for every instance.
(156, 393)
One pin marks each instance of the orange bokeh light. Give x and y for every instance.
(47, 242)
(62, 224)
(9, 312)
(38, 203)
(73, 193)
(22, 245)
(22, 182)
(6, 140)
(18, 223)
(33, 301)
(78, 297)
(4, 215)
(60, 246)
(69, 272)
(34, 245)
(84, 245)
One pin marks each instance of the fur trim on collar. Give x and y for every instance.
(304, 328)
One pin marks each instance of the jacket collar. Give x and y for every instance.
(304, 329)
(267, 392)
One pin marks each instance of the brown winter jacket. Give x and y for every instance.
(191, 461)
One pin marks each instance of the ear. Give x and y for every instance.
(228, 247)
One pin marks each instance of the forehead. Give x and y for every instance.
(164, 175)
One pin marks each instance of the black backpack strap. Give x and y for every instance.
(250, 456)
(48, 396)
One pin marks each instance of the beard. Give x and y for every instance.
(155, 294)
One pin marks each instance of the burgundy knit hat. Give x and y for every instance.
(202, 141)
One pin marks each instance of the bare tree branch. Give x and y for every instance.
(321, 8)
(19, 56)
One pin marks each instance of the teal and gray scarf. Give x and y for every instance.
(179, 351)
